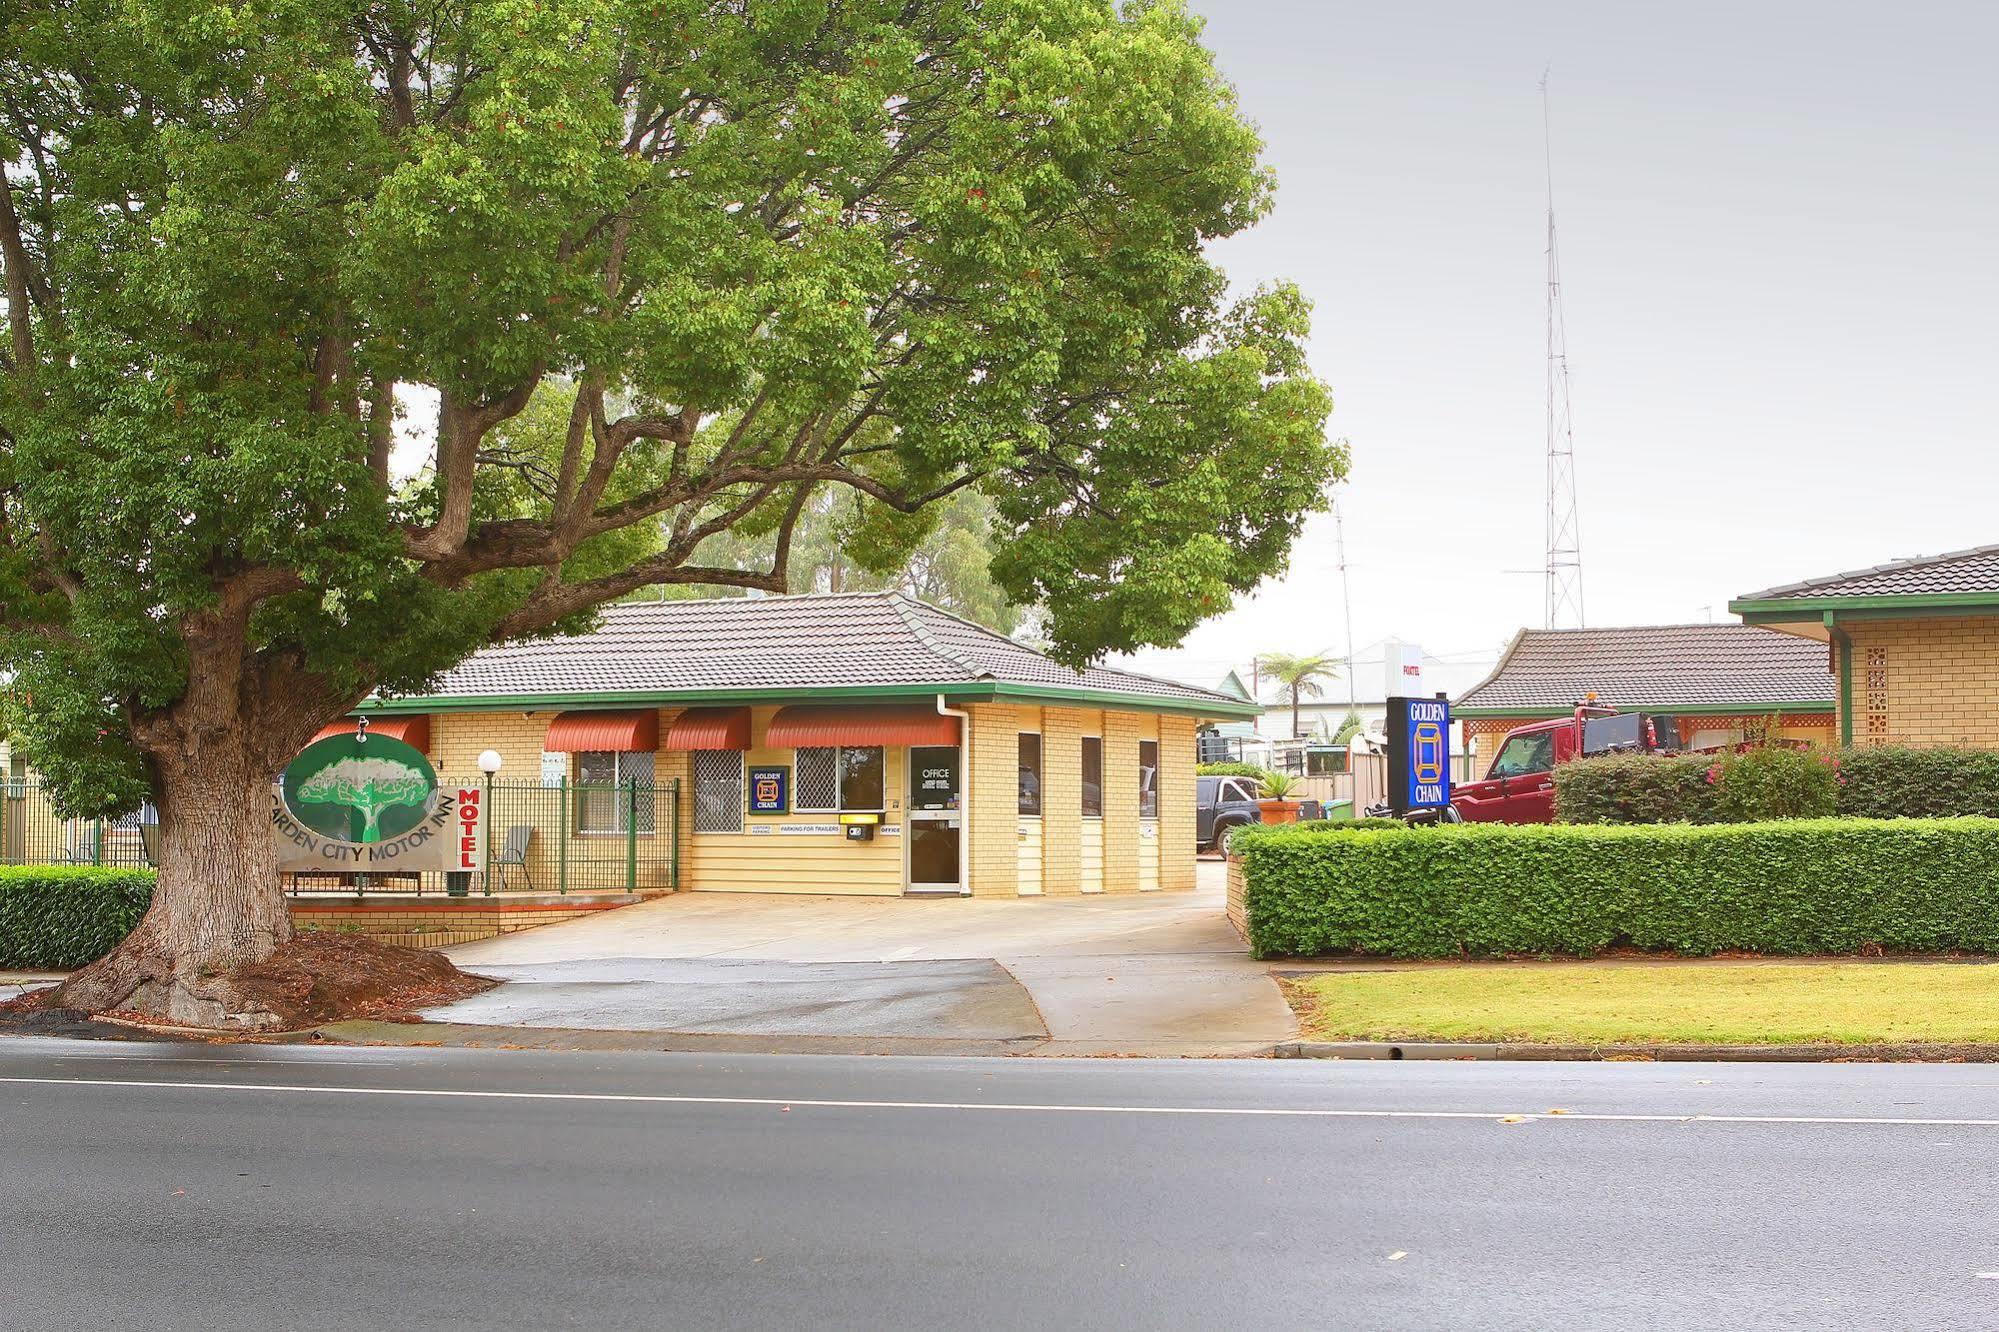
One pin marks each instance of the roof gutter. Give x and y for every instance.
(1810, 608)
(1748, 708)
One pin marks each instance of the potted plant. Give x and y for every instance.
(1275, 808)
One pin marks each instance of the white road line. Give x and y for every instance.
(1272, 1112)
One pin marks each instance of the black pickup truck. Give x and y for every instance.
(1222, 803)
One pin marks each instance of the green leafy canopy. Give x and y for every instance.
(642, 272)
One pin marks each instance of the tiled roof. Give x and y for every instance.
(1660, 666)
(841, 640)
(1975, 570)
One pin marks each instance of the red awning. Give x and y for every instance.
(867, 724)
(709, 728)
(411, 730)
(625, 732)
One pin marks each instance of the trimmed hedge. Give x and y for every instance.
(1312, 827)
(1637, 788)
(1796, 887)
(54, 917)
(1868, 782)
(1362, 824)
(1898, 782)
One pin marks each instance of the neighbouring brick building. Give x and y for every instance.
(1720, 681)
(849, 743)
(1915, 645)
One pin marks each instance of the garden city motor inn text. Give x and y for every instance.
(450, 837)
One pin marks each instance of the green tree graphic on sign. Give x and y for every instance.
(370, 786)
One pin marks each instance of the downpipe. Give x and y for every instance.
(964, 790)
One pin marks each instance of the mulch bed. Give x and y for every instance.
(317, 977)
(324, 977)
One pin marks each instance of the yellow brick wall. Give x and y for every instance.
(1062, 799)
(1122, 732)
(992, 833)
(1176, 803)
(1940, 678)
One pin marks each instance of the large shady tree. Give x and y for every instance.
(259, 253)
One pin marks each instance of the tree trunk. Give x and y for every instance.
(218, 904)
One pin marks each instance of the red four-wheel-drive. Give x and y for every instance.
(1519, 787)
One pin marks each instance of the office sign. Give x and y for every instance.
(933, 777)
(1419, 753)
(767, 790)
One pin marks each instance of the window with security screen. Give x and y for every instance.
(614, 791)
(718, 790)
(816, 780)
(829, 780)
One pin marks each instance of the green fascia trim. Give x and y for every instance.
(957, 691)
(1675, 709)
(1811, 608)
(1845, 683)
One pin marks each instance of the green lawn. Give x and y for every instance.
(1596, 1003)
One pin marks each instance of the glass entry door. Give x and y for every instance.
(935, 822)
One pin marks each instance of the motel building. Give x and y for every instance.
(864, 744)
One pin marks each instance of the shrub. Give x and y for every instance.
(1278, 785)
(53, 917)
(1897, 782)
(1774, 782)
(1800, 886)
(1637, 788)
(1231, 770)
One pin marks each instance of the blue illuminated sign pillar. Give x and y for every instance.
(1419, 753)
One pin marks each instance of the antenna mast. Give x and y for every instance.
(1564, 575)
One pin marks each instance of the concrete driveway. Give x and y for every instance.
(1158, 974)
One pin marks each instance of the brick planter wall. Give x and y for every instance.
(1238, 916)
(432, 922)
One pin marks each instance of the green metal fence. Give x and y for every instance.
(31, 832)
(565, 838)
(581, 837)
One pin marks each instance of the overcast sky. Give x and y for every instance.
(1778, 230)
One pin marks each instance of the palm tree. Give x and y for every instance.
(1300, 676)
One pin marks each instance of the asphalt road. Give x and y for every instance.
(238, 1187)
